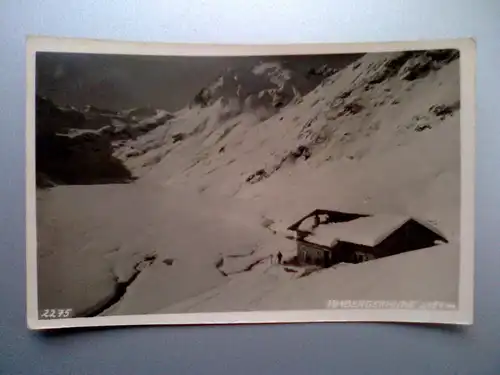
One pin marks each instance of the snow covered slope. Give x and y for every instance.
(220, 180)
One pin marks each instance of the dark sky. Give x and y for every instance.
(120, 81)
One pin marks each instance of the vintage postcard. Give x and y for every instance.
(218, 184)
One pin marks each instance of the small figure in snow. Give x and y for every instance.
(279, 256)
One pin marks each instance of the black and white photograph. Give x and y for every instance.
(197, 184)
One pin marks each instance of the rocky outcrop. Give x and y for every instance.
(268, 86)
(74, 147)
(388, 67)
(177, 137)
(81, 160)
(415, 67)
(300, 152)
(410, 65)
(420, 64)
(322, 71)
(203, 98)
(53, 119)
(444, 110)
(257, 176)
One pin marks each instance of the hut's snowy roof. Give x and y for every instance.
(367, 231)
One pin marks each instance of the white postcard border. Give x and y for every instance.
(463, 315)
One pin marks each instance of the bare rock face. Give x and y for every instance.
(441, 57)
(84, 159)
(258, 176)
(178, 137)
(301, 152)
(62, 158)
(410, 65)
(78, 147)
(389, 67)
(267, 86)
(415, 67)
(444, 110)
(322, 71)
(52, 119)
(420, 64)
(203, 98)
(352, 108)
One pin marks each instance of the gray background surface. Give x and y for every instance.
(278, 349)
